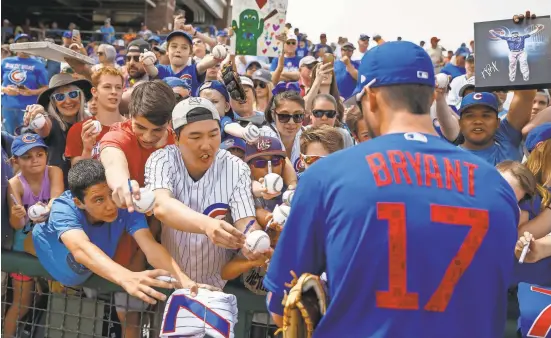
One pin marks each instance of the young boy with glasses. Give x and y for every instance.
(319, 142)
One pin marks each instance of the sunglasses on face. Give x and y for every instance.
(260, 84)
(285, 118)
(262, 163)
(59, 97)
(136, 58)
(309, 159)
(329, 113)
(348, 50)
(291, 43)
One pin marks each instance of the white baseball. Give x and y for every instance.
(258, 241)
(251, 133)
(442, 80)
(97, 126)
(219, 52)
(285, 210)
(273, 183)
(36, 212)
(288, 197)
(279, 216)
(38, 122)
(146, 201)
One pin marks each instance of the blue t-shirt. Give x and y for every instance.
(108, 34)
(515, 44)
(506, 145)
(345, 81)
(64, 216)
(451, 252)
(28, 72)
(291, 64)
(188, 73)
(453, 70)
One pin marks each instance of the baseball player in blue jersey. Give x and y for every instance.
(517, 54)
(413, 241)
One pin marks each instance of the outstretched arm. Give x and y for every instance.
(539, 28)
(497, 35)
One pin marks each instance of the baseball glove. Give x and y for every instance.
(233, 83)
(304, 306)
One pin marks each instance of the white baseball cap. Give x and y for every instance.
(291, 37)
(246, 81)
(193, 109)
(307, 60)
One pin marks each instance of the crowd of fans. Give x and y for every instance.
(167, 122)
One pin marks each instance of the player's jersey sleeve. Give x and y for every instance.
(303, 237)
(159, 170)
(241, 201)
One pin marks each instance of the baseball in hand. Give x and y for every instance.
(288, 197)
(280, 214)
(251, 133)
(38, 122)
(36, 212)
(442, 80)
(146, 201)
(97, 126)
(273, 183)
(258, 241)
(219, 52)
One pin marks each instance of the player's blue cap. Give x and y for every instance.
(538, 135)
(479, 99)
(26, 142)
(395, 63)
(283, 86)
(216, 85)
(22, 36)
(222, 33)
(180, 33)
(233, 142)
(177, 82)
(265, 146)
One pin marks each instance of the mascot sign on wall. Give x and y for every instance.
(256, 25)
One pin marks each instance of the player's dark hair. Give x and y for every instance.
(329, 137)
(278, 99)
(83, 175)
(330, 98)
(153, 100)
(413, 98)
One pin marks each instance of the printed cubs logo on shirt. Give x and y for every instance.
(299, 165)
(18, 76)
(186, 77)
(217, 210)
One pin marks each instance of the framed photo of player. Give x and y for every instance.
(512, 55)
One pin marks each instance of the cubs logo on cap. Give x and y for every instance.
(29, 138)
(263, 144)
(477, 96)
(479, 99)
(26, 142)
(229, 142)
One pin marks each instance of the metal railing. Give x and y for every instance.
(39, 307)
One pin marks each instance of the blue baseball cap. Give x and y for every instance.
(233, 142)
(479, 99)
(265, 145)
(26, 142)
(154, 38)
(395, 63)
(178, 82)
(222, 33)
(286, 87)
(22, 36)
(538, 135)
(68, 34)
(180, 33)
(216, 85)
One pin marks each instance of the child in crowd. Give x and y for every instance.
(235, 145)
(36, 183)
(319, 142)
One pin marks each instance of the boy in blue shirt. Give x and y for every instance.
(82, 233)
(413, 242)
(179, 49)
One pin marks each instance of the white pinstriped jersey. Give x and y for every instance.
(210, 313)
(223, 191)
(295, 152)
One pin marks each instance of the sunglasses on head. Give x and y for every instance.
(73, 94)
(309, 159)
(329, 113)
(291, 43)
(136, 58)
(261, 163)
(260, 84)
(285, 118)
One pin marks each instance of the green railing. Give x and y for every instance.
(75, 315)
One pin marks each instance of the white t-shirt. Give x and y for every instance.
(224, 192)
(437, 57)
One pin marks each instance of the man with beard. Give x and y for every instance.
(134, 67)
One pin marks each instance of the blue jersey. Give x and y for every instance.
(345, 81)
(28, 72)
(188, 73)
(413, 242)
(515, 44)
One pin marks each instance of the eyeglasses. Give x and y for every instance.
(348, 50)
(262, 163)
(329, 113)
(136, 58)
(309, 159)
(285, 118)
(260, 84)
(291, 43)
(59, 97)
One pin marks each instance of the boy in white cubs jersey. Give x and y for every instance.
(210, 314)
(206, 179)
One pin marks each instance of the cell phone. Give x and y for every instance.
(75, 33)
(20, 86)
